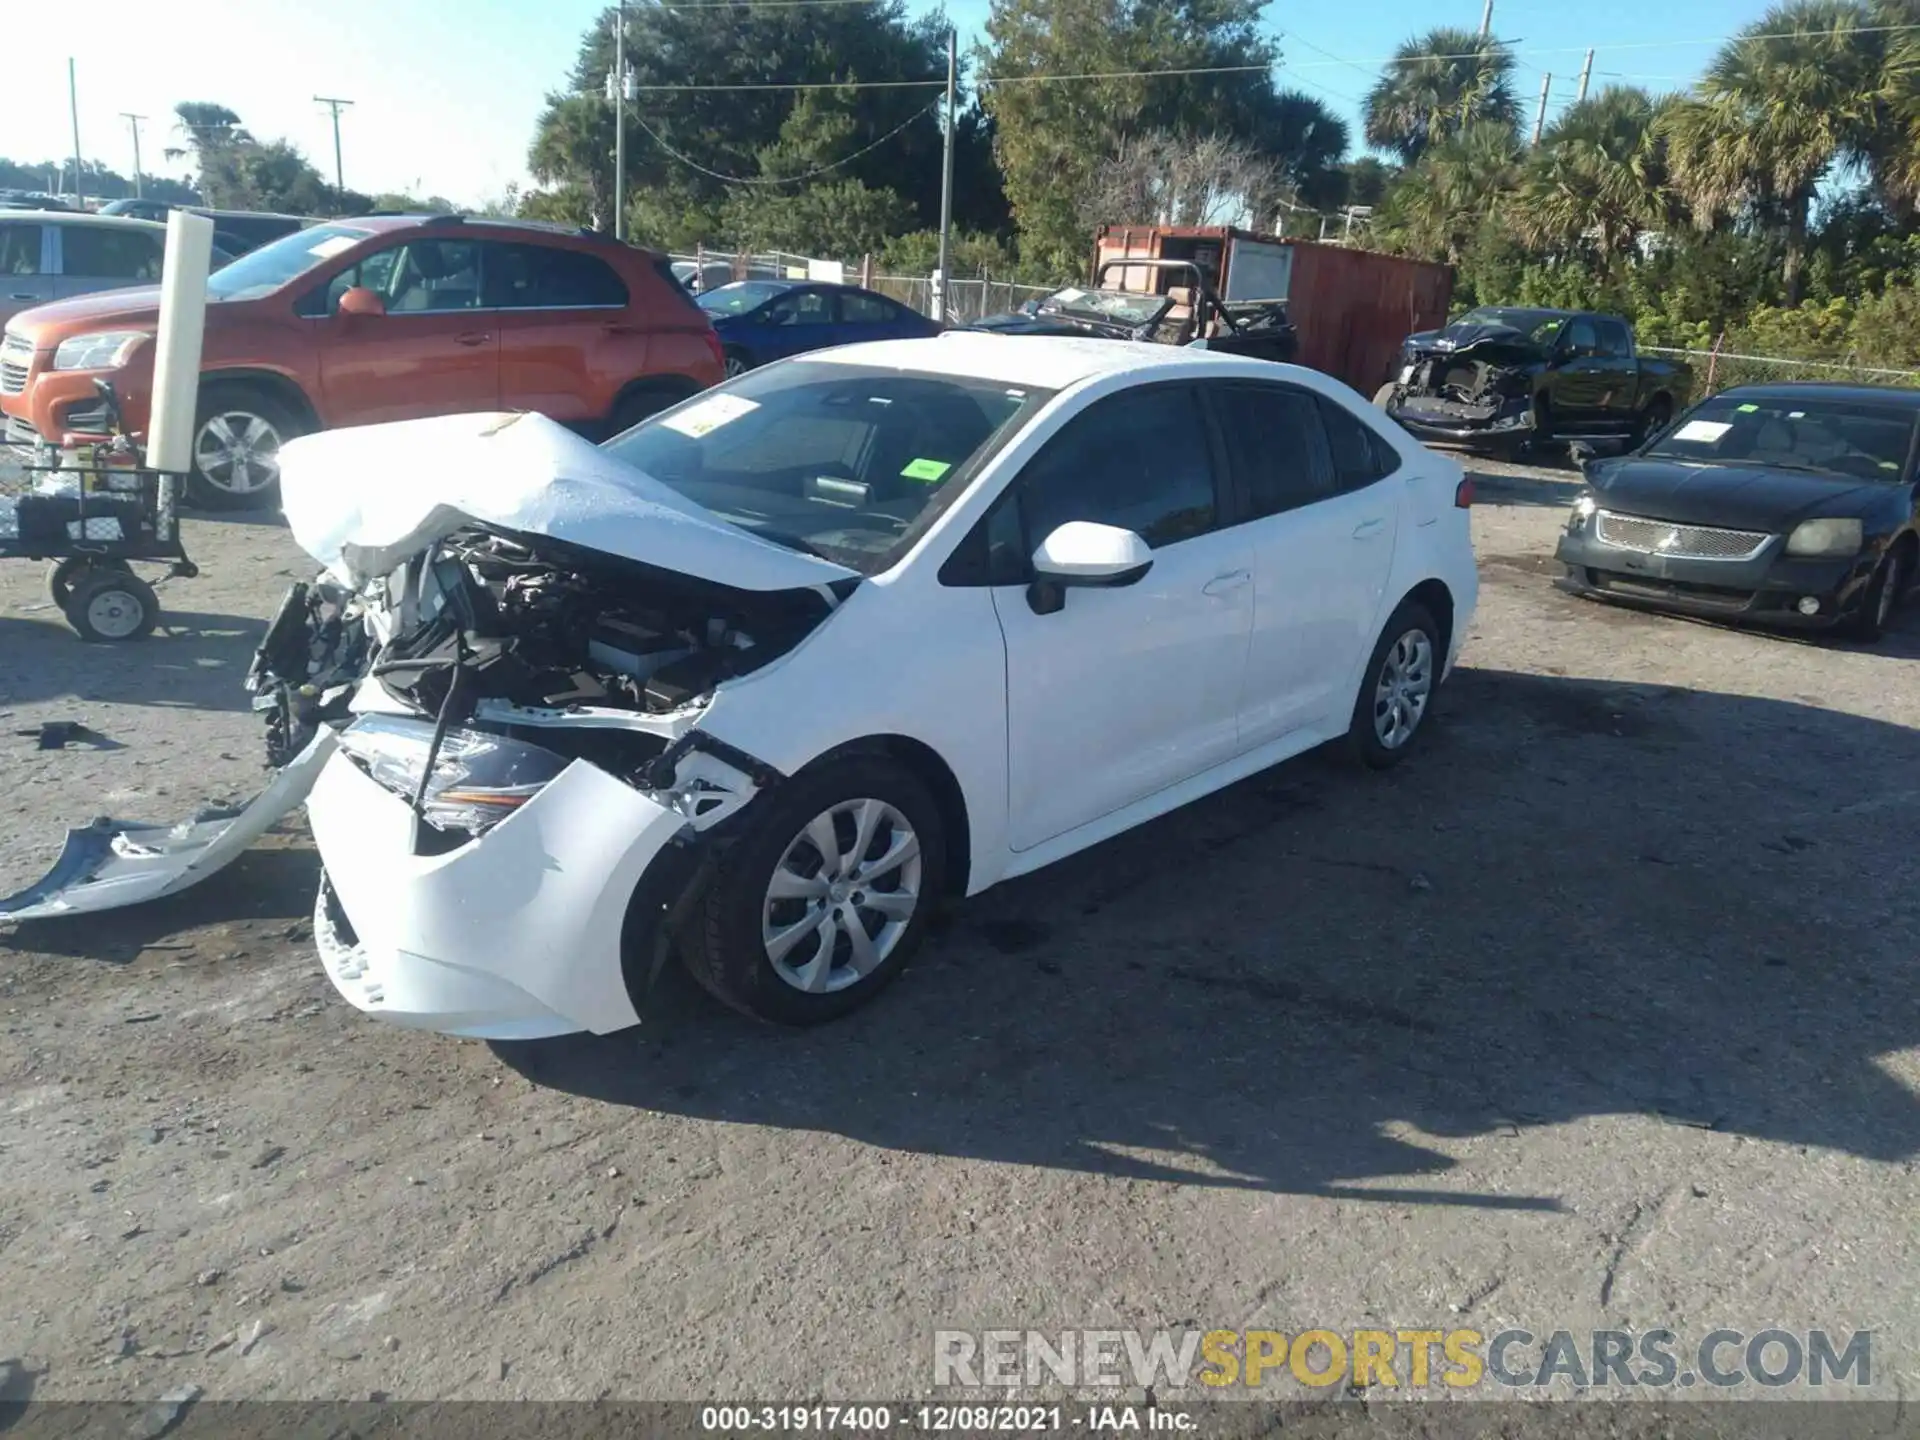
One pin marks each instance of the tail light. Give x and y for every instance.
(719, 353)
(1463, 494)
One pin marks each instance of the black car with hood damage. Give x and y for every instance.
(1789, 504)
(1507, 376)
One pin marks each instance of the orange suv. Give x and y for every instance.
(382, 318)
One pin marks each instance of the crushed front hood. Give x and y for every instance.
(111, 863)
(1494, 342)
(362, 500)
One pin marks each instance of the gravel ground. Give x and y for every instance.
(1600, 1012)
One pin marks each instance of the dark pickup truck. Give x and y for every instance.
(1507, 376)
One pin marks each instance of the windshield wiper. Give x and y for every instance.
(794, 542)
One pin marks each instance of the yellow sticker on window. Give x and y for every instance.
(928, 470)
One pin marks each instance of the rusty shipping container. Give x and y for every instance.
(1352, 307)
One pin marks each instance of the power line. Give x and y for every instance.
(983, 80)
(1333, 59)
(780, 179)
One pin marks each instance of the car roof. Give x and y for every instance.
(77, 217)
(1051, 362)
(1902, 397)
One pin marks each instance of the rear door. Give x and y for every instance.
(28, 270)
(435, 352)
(1324, 518)
(568, 337)
(102, 257)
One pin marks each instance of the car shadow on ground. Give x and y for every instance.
(195, 660)
(270, 519)
(1583, 899)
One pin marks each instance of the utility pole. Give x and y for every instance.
(334, 103)
(1486, 20)
(623, 86)
(73, 104)
(133, 122)
(946, 180)
(1540, 116)
(1586, 74)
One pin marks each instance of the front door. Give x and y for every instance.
(435, 352)
(1325, 516)
(1579, 377)
(1123, 692)
(799, 321)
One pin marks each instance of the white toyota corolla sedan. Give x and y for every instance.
(764, 681)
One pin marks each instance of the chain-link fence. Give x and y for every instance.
(1719, 369)
(967, 300)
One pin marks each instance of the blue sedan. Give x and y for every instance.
(762, 320)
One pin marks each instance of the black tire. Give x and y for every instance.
(639, 403)
(725, 949)
(1365, 740)
(63, 575)
(109, 606)
(1884, 593)
(228, 403)
(1542, 422)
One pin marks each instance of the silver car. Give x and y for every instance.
(49, 255)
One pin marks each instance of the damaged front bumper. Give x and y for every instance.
(1463, 422)
(111, 863)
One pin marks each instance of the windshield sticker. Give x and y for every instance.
(1749, 409)
(710, 414)
(334, 244)
(927, 470)
(1705, 431)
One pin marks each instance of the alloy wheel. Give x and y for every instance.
(735, 366)
(841, 896)
(238, 452)
(1401, 691)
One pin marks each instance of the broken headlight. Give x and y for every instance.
(478, 779)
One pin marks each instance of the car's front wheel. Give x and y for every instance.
(820, 904)
(1884, 593)
(1397, 689)
(237, 434)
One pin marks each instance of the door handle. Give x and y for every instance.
(1367, 529)
(473, 337)
(22, 295)
(1226, 584)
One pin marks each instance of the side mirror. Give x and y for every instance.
(1083, 554)
(361, 301)
(1585, 452)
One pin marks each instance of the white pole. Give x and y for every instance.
(1540, 118)
(946, 187)
(1486, 20)
(176, 348)
(620, 121)
(1586, 74)
(73, 104)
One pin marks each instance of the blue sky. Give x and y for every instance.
(447, 90)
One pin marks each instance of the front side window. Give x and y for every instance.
(1139, 461)
(842, 460)
(263, 271)
(1277, 445)
(809, 307)
(19, 249)
(1616, 340)
(432, 276)
(93, 252)
(1581, 341)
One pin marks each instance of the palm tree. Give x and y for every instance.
(1438, 207)
(1783, 102)
(574, 147)
(1435, 86)
(1894, 153)
(1598, 175)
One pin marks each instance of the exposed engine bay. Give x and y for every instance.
(1469, 375)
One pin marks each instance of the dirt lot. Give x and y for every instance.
(1602, 1012)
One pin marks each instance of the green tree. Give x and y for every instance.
(1782, 104)
(1307, 143)
(1453, 199)
(1053, 139)
(1435, 86)
(1597, 180)
(573, 151)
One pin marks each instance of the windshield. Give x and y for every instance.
(1539, 326)
(261, 272)
(739, 297)
(1799, 432)
(845, 461)
(1122, 307)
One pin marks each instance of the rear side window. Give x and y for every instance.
(546, 277)
(94, 252)
(1277, 445)
(19, 249)
(1361, 455)
(1139, 461)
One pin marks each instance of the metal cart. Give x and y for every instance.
(90, 513)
